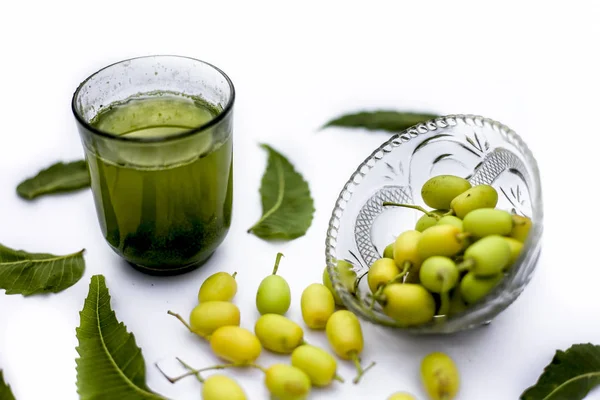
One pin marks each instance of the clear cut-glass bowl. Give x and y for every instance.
(477, 148)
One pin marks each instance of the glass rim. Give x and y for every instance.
(181, 135)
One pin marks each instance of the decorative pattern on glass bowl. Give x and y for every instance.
(477, 148)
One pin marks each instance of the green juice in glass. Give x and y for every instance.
(163, 216)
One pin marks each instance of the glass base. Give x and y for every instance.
(171, 271)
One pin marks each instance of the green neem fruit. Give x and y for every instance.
(487, 256)
(480, 196)
(440, 376)
(440, 190)
(488, 221)
(278, 333)
(319, 365)
(286, 382)
(408, 303)
(439, 274)
(273, 295)
(473, 289)
(381, 272)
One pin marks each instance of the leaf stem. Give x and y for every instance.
(277, 165)
(405, 270)
(414, 207)
(466, 265)
(189, 368)
(277, 260)
(357, 281)
(51, 258)
(518, 221)
(180, 318)
(359, 369)
(252, 365)
(445, 303)
(462, 236)
(212, 368)
(377, 295)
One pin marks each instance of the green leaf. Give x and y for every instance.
(5, 392)
(570, 376)
(386, 120)
(287, 205)
(35, 273)
(110, 364)
(57, 178)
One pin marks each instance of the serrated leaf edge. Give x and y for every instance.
(127, 380)
(53, 258)
(43, 191)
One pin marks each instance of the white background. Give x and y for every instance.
(531, 66)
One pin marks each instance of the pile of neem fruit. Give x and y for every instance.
(457, 253)
(216, 319)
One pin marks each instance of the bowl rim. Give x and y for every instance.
(531, 247)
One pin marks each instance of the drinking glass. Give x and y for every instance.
(164, 201)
